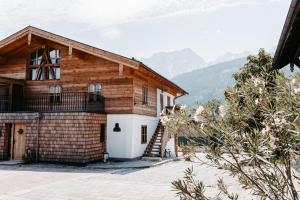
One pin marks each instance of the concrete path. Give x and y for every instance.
(79, 183)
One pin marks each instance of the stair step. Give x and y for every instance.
(155, 153)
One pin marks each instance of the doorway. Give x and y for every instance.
(18, 141)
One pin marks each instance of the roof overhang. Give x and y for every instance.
(29, 31)
(288, 49)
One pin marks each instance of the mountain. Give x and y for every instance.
(228, 56)
(171, 64)
(207, 83)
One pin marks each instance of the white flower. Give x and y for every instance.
(183, 107)
(256, 101)
(222, 110)
(279, 122)
(202, 126)
(257, 82)
(164, 120)
(265, 130)
(295, 86)
(197, 116)
(199, 110)
(296, 90)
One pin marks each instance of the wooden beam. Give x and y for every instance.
(29, 39)
(70, 52)
(121, 69)
(9, 81)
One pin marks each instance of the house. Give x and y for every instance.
(288, 49)
(65, 101)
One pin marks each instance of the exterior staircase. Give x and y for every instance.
(155, 147)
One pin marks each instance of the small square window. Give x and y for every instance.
(144, 134)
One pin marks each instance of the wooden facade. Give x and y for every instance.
(121, 79)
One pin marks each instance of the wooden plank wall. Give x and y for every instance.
(122, 90)
(76, 73)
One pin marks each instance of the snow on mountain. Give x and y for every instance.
(171, 64)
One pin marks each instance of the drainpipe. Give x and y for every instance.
(38, 117)
(177, 98)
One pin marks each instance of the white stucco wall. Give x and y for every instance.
(127, 143)
(165, 101)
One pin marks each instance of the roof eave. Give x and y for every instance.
(277, 63)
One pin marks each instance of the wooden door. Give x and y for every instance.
(18, 141)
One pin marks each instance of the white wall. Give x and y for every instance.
(127, 143)
(171, 146)
(165, 96)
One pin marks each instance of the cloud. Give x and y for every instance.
(101, 13)
(219, 32)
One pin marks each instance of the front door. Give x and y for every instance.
(18, 141)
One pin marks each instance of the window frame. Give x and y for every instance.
(168, 101)
(41, 63)
(95, 95)
(144, 134)
(161, 100)
(145, 95)
(55, 95)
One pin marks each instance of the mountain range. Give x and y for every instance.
(171, 64)
(203, 80)
(208, 83)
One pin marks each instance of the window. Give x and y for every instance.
(161, 102)
(102, 133)
(168, 101)
(44, 64)
(145, 95)
(55, 94)
(144, 135)
(94, 92)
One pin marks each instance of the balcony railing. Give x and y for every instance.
(55, 102)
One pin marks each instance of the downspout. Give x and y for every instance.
(177, 98)
(38, 117)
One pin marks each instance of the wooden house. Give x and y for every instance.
(65, 101)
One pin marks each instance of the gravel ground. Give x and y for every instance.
(52, 182)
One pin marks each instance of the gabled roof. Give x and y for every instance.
(288, 47)
(133, 63)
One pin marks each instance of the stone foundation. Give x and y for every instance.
(63, 137)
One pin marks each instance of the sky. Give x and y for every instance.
(140, 28)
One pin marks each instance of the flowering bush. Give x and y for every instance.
(255, 135)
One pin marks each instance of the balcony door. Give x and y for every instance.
(18, 140)
(17, 97)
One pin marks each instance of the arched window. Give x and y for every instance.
(94, 92)
(55, 93)
(44, 64)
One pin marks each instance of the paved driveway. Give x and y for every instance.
(75, 183)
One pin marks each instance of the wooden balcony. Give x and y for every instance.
(49, 102)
